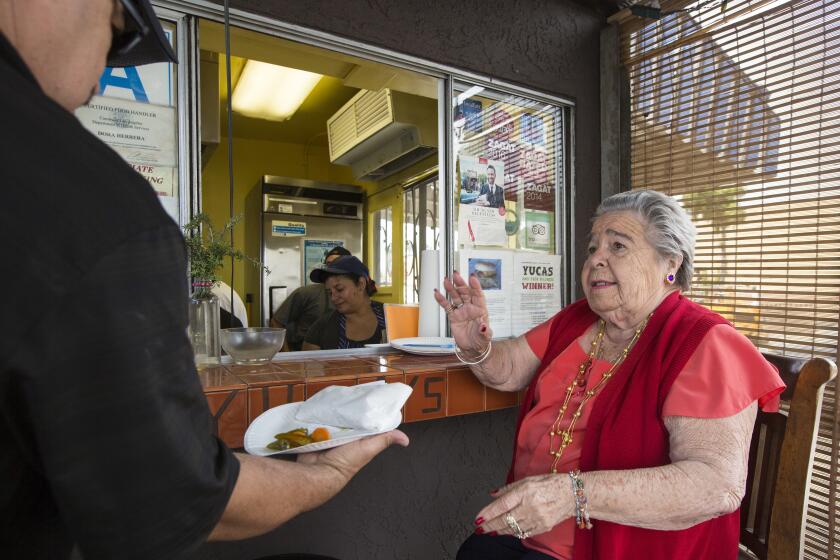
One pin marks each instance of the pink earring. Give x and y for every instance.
(669, 279)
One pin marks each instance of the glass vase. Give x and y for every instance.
(204, 325)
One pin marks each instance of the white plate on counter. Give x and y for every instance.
(282, 419)
(425, 345)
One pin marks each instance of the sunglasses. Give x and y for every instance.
(122, 41)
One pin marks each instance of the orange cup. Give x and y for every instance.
(401, 320)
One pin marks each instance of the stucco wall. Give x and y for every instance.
(415, 503)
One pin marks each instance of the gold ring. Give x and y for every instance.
(452, 307)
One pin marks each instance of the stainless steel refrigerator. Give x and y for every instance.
(291, 223)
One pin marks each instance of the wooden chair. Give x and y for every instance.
(781, 457)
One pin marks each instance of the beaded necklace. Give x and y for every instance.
(579, 382)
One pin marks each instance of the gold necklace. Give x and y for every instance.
(580, 381)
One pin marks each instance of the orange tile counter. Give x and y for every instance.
(442, 385)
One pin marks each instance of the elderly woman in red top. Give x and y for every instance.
(633, 436)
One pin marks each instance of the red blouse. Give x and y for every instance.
(724, 375)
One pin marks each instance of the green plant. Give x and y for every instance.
(207, 248)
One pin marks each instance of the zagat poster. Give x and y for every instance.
(525, 158)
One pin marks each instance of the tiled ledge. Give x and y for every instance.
(442, 387)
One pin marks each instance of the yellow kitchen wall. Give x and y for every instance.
(389, 192)
(251, 160)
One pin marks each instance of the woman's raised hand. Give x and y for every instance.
(466, 310)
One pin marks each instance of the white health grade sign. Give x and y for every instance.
(141, 133)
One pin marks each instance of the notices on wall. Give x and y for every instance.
(481, 213)
(494, 270)
(501, 124)
(470, 112)
(538, 230)
(141, 133)
(532, 129)
(526, 166)
(162, 178)
(283, 228)
(522, 288)
(135, 114)
(314, 251)
(536, 290)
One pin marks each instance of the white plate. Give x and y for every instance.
(425, 345)
(282, 419)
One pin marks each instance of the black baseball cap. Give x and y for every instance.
(337, 250)
(143, 40)
(343, 265)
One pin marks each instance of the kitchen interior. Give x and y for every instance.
(327, 148)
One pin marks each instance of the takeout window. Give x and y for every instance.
(293, 232)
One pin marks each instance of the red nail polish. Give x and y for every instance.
(479, 521)
(492, 534)
(483, 328)
(494, 491)
(479, 531)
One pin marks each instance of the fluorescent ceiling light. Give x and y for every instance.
(271, 92)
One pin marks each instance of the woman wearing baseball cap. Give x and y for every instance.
(356, 320)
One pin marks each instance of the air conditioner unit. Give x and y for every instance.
(378, 133)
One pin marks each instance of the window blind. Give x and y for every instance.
(736, 113)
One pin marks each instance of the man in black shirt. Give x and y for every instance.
(104, 428)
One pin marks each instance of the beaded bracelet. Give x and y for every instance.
(581, 508)
(481, 357)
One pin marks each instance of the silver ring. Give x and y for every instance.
(514, 526)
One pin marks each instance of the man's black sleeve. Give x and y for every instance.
(117, 413)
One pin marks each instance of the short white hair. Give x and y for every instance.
(669, 228)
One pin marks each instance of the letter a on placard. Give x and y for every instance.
(131, 82)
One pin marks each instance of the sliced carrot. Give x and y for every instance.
(320, 434)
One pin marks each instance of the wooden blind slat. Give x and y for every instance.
(737, 115)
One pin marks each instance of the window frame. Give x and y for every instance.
(447, 76)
